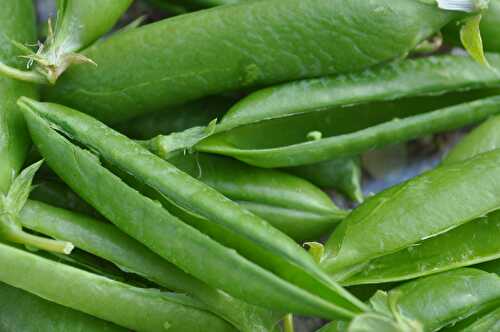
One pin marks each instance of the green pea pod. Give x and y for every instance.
(343, 174)
(490, 32)
(162, 70)
(106, 241)
(443, 299)
(453, 249)
(135, 308)
(17, 21)
(79, 23)
(488, 321)
(289, 203)
(287, 114)
(44, 316)
(419, 209)
(428, 304)
(482, 139)
(392, 132)
(147, 221)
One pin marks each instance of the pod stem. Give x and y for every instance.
(21, 75)
(21, 237)
(288, 323)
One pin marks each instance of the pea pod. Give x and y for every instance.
(164, 71)
(289, 203)
(117, 302)
(489, 321)
(454, 248)
(79, 23)
(44, 316)
(147, 221)
(17, 22)
(428, 304)
(106, 241)
(286, 115)
(409, 213)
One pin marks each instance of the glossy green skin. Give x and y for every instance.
(285, 114)
(106, 241)
(446, 298)
(289, 203)
(487, 322)
(83, 22)
(391, 132)
(135, 308)
(406, 214)
(472, 243)
(343, 174)
(148, 222)
(454, 248)
(161, 66)
(44, 316)
(484, 138)
(17, 22)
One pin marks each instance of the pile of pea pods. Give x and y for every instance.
(175, 174)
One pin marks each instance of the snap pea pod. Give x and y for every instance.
(482, 139)
(489, 321)
(44, 316)
(17, 22)
(452, 249)
(285, 115)
(79, 23)
(472, 243)
(428, 304)
(148, 222)
(135, 308)
(409, 213)
(392, 132)
(197, 203)
(289, 203)
(160, 69)
(106, 241)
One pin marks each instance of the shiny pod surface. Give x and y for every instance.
(203, 53)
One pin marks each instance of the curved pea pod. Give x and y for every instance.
(79, 23)
(104, 298)
(287, 116)
(289, 203)
(430, 304)
(490, 32)
(484, 321)
(469, 244)
(409, 213)
(17, 22)
(391, 132)
(343, 174)
(44, 316)
(164, 70)
(106, 241)
(194, 252)
(482, 139)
